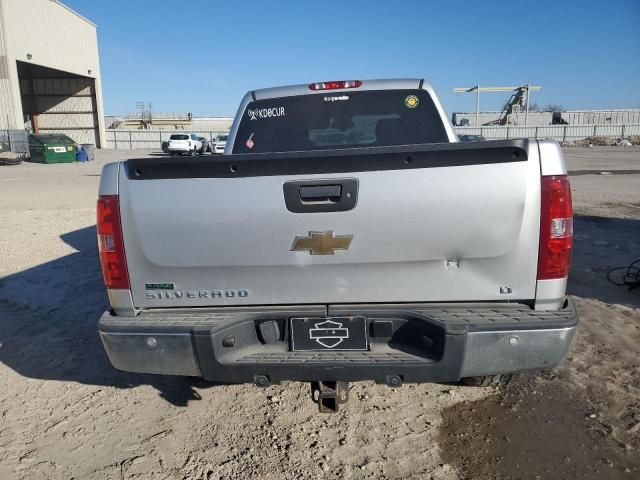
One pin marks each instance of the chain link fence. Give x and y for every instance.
(16, 141)
(131, 139)
(561, 133)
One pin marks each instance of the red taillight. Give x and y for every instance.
(556, 228)
(110, 245)
(335, 85)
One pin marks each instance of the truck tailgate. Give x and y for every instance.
(449, 222)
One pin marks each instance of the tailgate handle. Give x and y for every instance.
(321, 193)
(308, 196)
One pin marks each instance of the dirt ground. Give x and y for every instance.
(66, 413)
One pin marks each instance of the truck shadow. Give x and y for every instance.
(48, 325)
(600, 244)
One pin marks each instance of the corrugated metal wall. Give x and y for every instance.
(54, 35)
(61, 105)
(613, 117)
(561, 133)
(6, 99)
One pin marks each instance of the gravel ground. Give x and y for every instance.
(66, 413)
(605, 180)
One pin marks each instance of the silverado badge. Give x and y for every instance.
(321, 243)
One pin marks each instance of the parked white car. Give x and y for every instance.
(219, 144)
(180, 143)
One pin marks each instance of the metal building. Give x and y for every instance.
(49, 71)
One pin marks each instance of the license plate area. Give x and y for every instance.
(329, 333)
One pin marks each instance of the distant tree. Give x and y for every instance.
(554, 108)
(536, 107)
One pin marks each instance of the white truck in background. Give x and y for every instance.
(345, 235)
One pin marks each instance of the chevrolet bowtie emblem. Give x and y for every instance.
(321, 243)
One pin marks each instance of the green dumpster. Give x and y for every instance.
(51, 148)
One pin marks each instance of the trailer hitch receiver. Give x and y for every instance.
(329, 395)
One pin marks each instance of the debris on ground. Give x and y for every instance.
(603, 142)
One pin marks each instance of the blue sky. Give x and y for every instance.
(201, 56)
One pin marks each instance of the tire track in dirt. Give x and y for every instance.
(579, 421)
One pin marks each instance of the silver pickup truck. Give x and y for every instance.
(345, 235)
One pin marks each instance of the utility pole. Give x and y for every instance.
(526, 112)
(477, 105)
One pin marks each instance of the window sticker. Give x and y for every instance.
(250, 143)
(341, 98)
(270, 112)
(411, 101)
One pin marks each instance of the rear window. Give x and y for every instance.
(179, 137)
(332, 120)
(222, 138)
